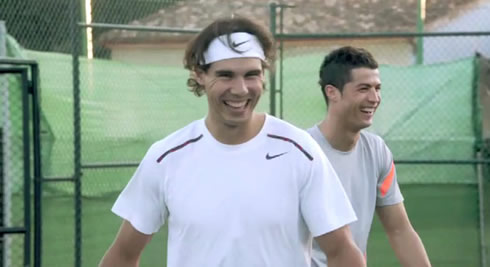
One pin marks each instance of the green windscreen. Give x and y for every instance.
(426, 113)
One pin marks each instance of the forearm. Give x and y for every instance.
(127, 248)
(409, 249)
(114, 258)
(347, 258)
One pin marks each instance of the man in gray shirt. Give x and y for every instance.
(351, 86)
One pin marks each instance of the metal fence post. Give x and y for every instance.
(481, 122)
(27, 169)
(36, 127)
(272, 71)
(281, 58)
(3, 52)
(2, 224)
(420, 29)
(75, 32)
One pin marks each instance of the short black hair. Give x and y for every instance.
(337, 66)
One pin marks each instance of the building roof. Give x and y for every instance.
(308, 16)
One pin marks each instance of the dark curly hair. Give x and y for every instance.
(194, 54)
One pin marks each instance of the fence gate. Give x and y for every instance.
(19, 163)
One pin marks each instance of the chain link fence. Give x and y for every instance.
(12, 182)
(11, 174)
(14, 205)
(133, 93)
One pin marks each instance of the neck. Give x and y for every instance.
(338, 135)
(234, 134)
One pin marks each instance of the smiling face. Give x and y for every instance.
(361, 96)
(233, 88)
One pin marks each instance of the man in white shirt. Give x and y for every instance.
(238, 187)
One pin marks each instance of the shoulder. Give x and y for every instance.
(280, 130)
(188, 135)
(372, 141)
(283, 128)
(376, 150)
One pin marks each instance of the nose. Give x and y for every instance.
(239, 86)
(374, 95)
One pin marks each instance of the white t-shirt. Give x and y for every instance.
(253, 204)
(368, 176)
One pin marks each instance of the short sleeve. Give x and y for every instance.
(142, 201)
(324, 203)
(388, 191)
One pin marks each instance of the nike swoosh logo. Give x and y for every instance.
(237, 44)
(268, 157)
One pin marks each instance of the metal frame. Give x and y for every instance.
(30, 88)
(25, 229)
(291, 36)
(77, 154)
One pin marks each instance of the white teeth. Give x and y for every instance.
(236, 104)
(368, 110)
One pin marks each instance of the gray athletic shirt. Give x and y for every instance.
(369, 178)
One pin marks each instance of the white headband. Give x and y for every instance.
(246, 44)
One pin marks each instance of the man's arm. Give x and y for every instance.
(340, 249)
(127, 248)
(403, 239)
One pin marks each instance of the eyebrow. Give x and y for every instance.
(368, 85)
(221, 72)
(229, 72)
(253, 72)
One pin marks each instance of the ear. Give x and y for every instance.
(332, 93)
(198, 76)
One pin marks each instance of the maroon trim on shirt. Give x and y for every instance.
(292, 142)
(179, 147)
